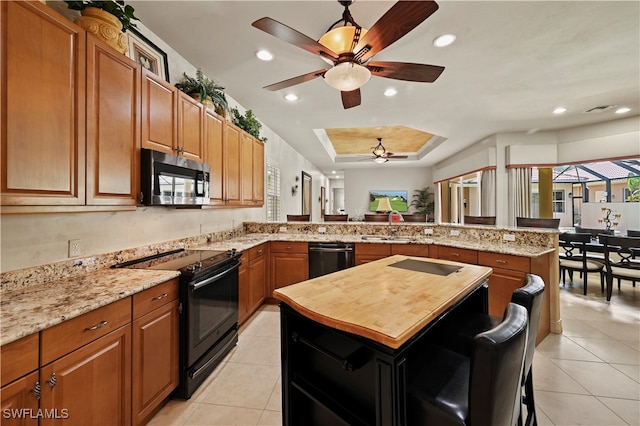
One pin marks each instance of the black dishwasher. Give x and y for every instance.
(325, 258)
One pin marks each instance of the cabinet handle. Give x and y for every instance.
(455, 254)
(97, 326)
(37, 390)
(260, 251)
(162, 296)
(501, 261)
(289, 248)
(52, 380)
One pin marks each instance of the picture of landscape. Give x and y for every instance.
(397, 199)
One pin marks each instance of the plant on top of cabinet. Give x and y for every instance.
(204, 90)
(248, 122)
(107, 20)
(423, 201)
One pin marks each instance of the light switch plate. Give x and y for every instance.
(74, 248)
(508, 237)
(455, 232)
(283, 229)
(428, 231)
(322, 229)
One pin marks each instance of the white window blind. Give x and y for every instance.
(273, 194)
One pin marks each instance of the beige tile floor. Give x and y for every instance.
(589, 375)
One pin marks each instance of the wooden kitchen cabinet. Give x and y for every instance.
(371, 251)
(42, 91)
(159, 114)
(154, 349)
(418, 250)
(215, 156)
(243, 288)
(252, 171)
(252, 279)
(190, 128)
(457, 254)
(19, 370)
(232, 154)
(113, 126)
(289, 263)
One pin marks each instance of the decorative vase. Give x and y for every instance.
(105, 26)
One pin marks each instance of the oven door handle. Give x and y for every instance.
(198, 284)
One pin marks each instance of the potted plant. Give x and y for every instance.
(248, 122)
(423, 201)
(204, 90)
(107, 20)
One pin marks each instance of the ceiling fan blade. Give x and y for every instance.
(392, 157)
(288, 34)
(295, 80)
(351, 99)
(406, 71)
(398, 21)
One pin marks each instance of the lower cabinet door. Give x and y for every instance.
(91, 385)
(19, 404)
(257, 290)
(155, 360)
(502, 283)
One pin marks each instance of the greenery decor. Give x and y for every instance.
(423, 201)
(633, 183)
(117, 8)
(248, 122)
(206, 89)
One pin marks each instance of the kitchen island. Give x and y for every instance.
(349, 338)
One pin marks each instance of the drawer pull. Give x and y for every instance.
(260, 251)
(455, 254)
(52, 380)
(162, 296)
(97, 326)
(501, 261)
(37, 390)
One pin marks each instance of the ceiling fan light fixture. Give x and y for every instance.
(380, 160)
(347, 76)
(340, 39)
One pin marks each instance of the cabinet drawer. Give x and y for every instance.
(154, 297)
(289, 247)
(19, 358)
(420, 250)
(70, 335)
(261, 250)
(504, 261)
(458, 254)
(373, 248)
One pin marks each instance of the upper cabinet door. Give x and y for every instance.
(247, 168)
(159, 114)
(233, 158)
(258, 173)
(113, 123)
(190, 127)
(213, 140)
(42, 82)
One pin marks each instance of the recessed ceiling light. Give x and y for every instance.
(390, 92)
(291, 97)
(559, 110)
(622, 110)
(444, 40)
(333, 172)
(264, 55)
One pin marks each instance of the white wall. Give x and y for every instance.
(358, 182)
(630, 215)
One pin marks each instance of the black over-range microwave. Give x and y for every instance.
(169, 180)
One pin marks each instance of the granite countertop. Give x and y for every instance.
(360, 300)
(29, 310)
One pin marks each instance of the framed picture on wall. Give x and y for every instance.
(147, 54)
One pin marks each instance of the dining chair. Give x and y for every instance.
(458, 335)
(632, 233)
(298, 217)
(620, 262)
(415, 217)
(480, 220)
(594, 232)
(376, 217)
(536, 222)
(448, 388)
(336, 217)
(573, 257)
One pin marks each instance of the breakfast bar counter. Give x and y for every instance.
(349, 339)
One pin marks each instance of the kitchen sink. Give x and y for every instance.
(400, 239)
(383, 238)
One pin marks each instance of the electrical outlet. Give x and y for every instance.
(455, 232)
(322, 229)
(283, 229)
(428, 231)
(74, 248)
(508, 237)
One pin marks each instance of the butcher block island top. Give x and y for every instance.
(388, 300)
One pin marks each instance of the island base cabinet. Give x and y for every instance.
(91, 385)
(19, 404)
(502, 283)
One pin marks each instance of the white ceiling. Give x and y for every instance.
(513, 62)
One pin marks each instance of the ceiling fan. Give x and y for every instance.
(349, 48)
(381, 155)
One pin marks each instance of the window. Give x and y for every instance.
(273, 194)
(559, 203)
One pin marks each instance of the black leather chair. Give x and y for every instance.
(336, 217)
(415, 217)
(620, 262)
(573, 256)
(447, 388)
(298, 217)
(632, 233)
(376, 217)
(535, 222)
(480, 220)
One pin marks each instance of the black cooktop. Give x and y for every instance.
(185, 261)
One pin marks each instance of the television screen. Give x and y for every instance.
(397, 200)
